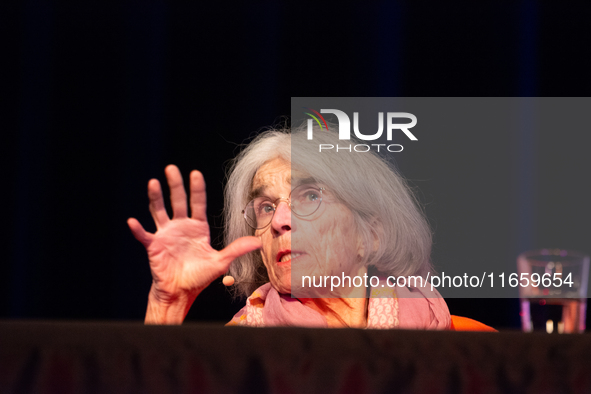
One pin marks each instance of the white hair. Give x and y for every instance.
(389, 221)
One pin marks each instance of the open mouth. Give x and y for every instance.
(285, 256)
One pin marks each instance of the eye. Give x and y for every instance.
(307, 195)
(265, 208)
(311, 195)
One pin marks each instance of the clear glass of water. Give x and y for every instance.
(553, 290)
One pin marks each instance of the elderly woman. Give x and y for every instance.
(293, 212)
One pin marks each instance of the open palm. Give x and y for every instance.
(181, 258)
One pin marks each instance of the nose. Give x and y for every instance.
(281, 222)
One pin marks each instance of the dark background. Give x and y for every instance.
(99, 96)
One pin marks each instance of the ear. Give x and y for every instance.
(360, 246)
(376, 229)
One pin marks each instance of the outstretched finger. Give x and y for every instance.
(239, 247)
(198, 196)
(157, 208)
(139, 233)
(178, 197)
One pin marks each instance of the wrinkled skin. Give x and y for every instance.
(182, 260)
(326, 241)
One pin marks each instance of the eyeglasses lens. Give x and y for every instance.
(305, 200)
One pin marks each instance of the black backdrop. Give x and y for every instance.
(99, 96)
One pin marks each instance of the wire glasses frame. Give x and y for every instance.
(303, 201)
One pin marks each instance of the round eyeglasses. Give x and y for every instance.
(303, 201)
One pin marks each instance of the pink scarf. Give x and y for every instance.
(414, 308)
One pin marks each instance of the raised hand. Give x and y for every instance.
(181, 258)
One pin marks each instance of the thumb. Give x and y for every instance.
(139, 233)
(238, 248)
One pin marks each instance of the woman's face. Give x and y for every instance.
(323, 243)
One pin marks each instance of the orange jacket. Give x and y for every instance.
(459, 323)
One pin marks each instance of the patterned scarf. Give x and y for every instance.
(405, 308)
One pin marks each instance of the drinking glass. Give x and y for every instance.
(553, 290)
